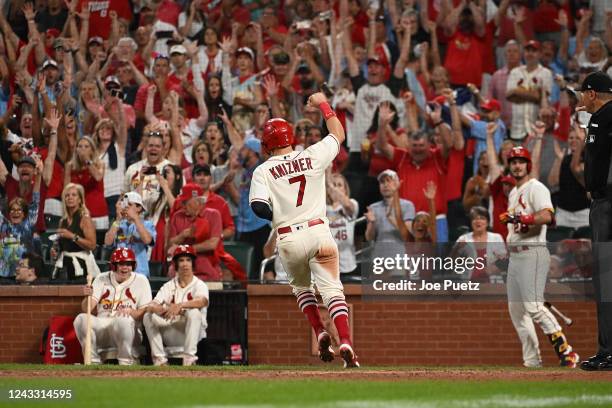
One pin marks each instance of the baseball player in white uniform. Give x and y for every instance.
(289, 190)
(119, 297)
(530, 210)
(177, 316)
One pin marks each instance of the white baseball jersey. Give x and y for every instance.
(294, 184)
(172, 292)
(531, 197)
(110, 295)
(342, 228)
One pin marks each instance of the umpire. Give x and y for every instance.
(595, 98)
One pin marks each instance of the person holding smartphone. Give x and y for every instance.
(141, 175)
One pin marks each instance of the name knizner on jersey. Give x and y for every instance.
(408, 285)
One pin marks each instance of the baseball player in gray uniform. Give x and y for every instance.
(530, 210)
(289, 190)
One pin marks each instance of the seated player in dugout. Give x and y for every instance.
(119, 301)
(176, 319)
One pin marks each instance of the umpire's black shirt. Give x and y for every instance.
(598, 153)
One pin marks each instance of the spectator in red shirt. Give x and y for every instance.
(231, 12)
(418, 166)
(87, 169)
(199, 227)
(273, 31)
(164, 84)
(465, 26)
(202, 177)
(98, 15)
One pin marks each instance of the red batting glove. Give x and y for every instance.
(527, 219)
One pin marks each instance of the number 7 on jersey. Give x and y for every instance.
(302, 180)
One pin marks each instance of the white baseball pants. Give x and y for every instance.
(311, 254)
(183, 332)
(110, 332)
(527, 274)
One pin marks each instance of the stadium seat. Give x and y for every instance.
(105, 253)
(463, 229)
(558, 233)
(52, 221)
(100, 237)
(243, 253)
(156, 269)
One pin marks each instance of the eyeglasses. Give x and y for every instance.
(16, 210)
(155, 133)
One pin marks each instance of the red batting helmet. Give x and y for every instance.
(184, 250)
(122, 255)
(519, 152)
(277, 133)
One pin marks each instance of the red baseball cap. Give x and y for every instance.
(533, 44)
(491, 105)
(190, 190)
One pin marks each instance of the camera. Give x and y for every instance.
(149, 170)
(163, 34)
(116, 92)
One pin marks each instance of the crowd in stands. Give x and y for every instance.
(137, 123)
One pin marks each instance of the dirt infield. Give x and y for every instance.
(393, 375)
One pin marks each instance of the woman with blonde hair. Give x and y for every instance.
(87, 169)
(111, 141)
(76, 236)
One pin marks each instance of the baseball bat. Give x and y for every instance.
(556, 311)
(87, 352)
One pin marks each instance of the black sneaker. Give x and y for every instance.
(599, 362)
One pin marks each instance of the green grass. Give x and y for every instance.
(319, 392)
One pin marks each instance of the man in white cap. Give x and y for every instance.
(178, 59)
(131, 230)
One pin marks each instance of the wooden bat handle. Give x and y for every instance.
(87, 351)
(556, 311)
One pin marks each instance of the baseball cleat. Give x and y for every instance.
(326, 353)
(159, 361)
(570, 360)
(349, 357)
(599, 362)
(189, 361)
